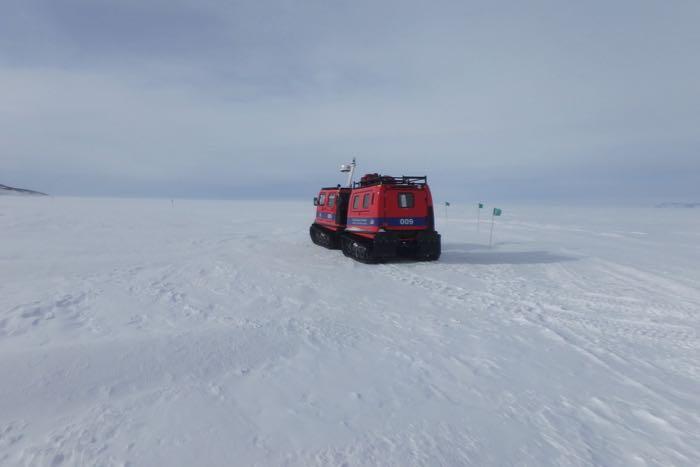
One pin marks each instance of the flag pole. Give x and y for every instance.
(495, 213)
(478, 217)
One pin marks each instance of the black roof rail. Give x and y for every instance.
(376, 179)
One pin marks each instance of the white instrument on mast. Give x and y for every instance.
(350, 169)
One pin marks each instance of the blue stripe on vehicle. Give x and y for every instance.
(406, 221)
(325, 215)
(389, 221)
(363, 220)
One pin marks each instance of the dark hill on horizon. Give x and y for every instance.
(4, 189)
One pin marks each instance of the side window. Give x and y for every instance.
(406, 200)
(322, 199)
(331, 200)
(356, 201)
(365, 201)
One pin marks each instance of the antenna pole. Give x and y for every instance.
(352, 173)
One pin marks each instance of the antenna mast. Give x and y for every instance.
(350, 169)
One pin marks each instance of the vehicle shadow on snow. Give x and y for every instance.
(466, 253)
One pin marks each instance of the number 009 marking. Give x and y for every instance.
(406, 221)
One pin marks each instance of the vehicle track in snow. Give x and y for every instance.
(612, 343)
(521, 296)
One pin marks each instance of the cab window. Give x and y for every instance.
(331, 200)
(322, 199)
(406, 200)
(356, 201)
(366, 200)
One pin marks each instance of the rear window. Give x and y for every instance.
(356, 201)
(322, 199)
(331, 200)
(366, 200)
(406, 200)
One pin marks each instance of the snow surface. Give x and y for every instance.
(134, 332)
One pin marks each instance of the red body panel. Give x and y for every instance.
(331, 210)
(390, 208)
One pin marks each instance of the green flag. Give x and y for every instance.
(481, 205)
(497, 212)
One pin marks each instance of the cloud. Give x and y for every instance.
(266, 98)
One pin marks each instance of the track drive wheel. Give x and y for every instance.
(323, 237)
(359, 250)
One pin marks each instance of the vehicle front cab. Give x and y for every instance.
(332, 207)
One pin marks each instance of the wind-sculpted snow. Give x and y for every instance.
(136, 332)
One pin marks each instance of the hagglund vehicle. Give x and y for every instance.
(378, 218)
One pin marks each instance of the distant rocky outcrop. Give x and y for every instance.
(678, 205)
(9, 190)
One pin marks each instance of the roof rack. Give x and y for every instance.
(376, 179)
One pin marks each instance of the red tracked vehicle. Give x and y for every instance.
(378, 218)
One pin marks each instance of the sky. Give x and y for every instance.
(567, 101)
